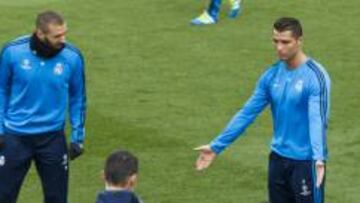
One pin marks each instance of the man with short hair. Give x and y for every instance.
(120, 175)
(40, 77)
(298, 91)
(211, 14)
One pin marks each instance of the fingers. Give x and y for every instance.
(205, 158)
(320, 172)
(203, 162)
(202, 147)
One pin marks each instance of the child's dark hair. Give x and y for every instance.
(119, 166)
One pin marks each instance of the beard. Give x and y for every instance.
(44, 48)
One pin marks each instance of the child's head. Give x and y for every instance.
(121, 170)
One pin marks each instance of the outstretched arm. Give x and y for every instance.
(238, 124)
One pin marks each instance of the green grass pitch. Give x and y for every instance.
(159, 87)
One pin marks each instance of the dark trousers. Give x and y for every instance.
(48, 151)
(293, 181)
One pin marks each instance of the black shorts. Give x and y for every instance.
(293, 181)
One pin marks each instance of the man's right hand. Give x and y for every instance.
(206, 157)
(2, 142)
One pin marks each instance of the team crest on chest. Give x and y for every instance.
(58, 69)
(26, 65)
(299, 85)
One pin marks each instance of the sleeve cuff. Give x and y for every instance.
(216, 149)
(77, 137)
(320, 163)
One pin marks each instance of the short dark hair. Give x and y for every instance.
(289, 24)
(119, 166)
(48, 17)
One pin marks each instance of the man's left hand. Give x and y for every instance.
(75, 150)
(320, 172)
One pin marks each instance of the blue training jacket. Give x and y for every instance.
(35, 92)
(300, 103)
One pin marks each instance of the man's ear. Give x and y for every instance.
(300, 40)
(40, 34)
